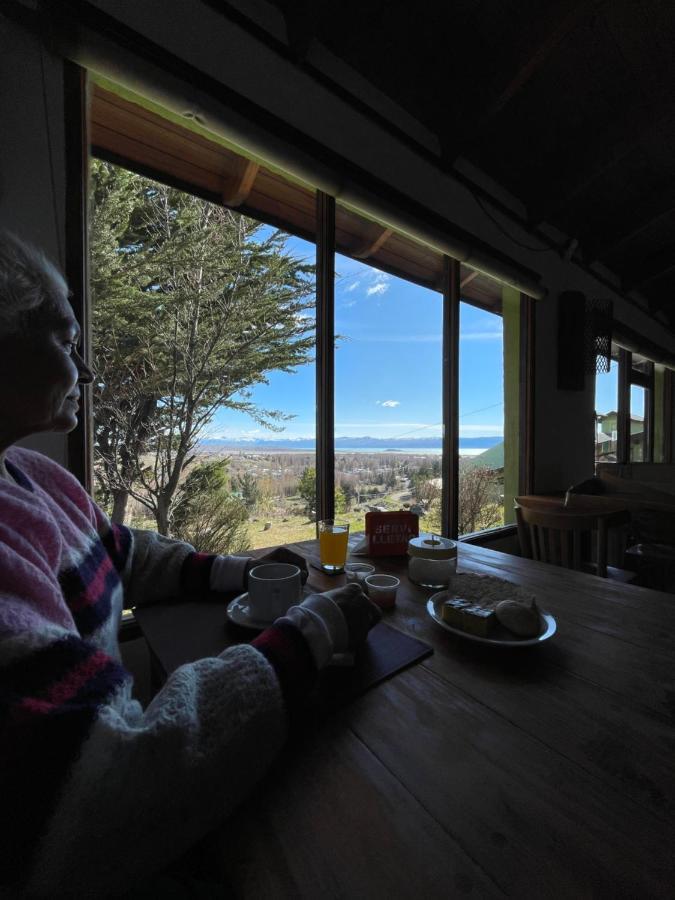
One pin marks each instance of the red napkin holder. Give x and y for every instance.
(388, 533)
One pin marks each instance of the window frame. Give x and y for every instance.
(630, 376)
(80, 445)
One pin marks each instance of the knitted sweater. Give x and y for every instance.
(95, 791)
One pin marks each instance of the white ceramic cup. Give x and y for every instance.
(272, 589)
(358, 572)
(382, 589)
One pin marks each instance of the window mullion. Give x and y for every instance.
(325, 344)
(623, 412)
(450, 492)
(81, 439)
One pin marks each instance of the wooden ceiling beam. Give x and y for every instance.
(649, 268)
(601, 251)
(647, 128)
(237, 189)
(642, 281)
(300, 19)
(552, 37)
(370, 247)
(551, 30)
(468, 279)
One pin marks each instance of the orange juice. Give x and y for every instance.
(333, 544)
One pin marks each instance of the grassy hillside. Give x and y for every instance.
(491, 459)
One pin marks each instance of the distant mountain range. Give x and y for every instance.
(350, 443)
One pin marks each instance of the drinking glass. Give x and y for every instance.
(333, 537)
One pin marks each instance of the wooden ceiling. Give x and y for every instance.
(143, 139)
(569, 104)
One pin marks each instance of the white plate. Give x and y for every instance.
(548, 626)
(238, 611)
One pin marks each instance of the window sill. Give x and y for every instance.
(490, 535)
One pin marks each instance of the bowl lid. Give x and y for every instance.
(432, 546)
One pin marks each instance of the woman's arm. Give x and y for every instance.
(144, 786)
(154, 568)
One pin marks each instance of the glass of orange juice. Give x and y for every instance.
(333, 538)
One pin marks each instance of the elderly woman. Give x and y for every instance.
(95, 791)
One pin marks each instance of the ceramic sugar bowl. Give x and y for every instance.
(432, 560)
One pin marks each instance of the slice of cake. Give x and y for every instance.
(451, 612)
(477, 620)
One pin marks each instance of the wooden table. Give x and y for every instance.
(541, 772)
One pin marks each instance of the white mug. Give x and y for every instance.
(272, 589)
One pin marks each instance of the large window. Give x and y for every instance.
(216, 318)
(625, 410)
(204, 352)
(388, 395)
(606, 413)
(481, 419)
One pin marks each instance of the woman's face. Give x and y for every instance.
(40, 374)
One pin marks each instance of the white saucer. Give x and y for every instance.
(238, 611)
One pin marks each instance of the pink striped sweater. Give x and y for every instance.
(96, 792)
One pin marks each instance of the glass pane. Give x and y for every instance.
(481, 419)
(388, 395)
(606, 405)
(637, 423)
(203, 325)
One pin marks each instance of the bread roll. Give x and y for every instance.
(522, 620)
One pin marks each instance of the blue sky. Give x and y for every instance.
(387, 365)
(606, 393)
(606, 389)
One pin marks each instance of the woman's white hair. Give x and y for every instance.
(27, 281)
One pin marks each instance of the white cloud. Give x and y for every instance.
(353, 286)
(380, 283)
(391, 404)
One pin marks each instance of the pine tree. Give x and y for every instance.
(194, 305)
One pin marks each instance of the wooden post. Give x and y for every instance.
(649, 418)
(81, 439)
(450, 464)
(527, 387)
(512, 394)
(623, 411)
(668, 417)
(659, 418)
(325, 318)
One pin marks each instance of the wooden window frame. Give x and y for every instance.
(629, 376)
(668, 416)
(80, 442)
(527, 387)
(80, 446)
(450, 454)
(325, 356)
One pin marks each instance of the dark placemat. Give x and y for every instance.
(386, 652)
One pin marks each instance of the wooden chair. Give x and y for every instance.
(552, 534)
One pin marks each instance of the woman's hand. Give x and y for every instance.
(283, 555)
(359, 612)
